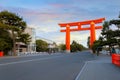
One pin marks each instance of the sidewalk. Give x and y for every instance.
(99, 69)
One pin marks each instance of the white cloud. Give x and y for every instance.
(45, 18)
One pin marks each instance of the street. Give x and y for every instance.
(44, 67)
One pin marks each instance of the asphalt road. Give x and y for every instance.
(99, 69)
(47, 67)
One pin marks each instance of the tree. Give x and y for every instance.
(97, 46)
(5, 41)
(14, 23)
(105, 27)
(62, 47)
(88, 42)
(24, 37)
(103, 40)
(41, 46)
(109, 37)
(112, 37)
(116, 33)
(116, 23)
(76, 47)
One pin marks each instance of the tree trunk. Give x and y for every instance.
(110, 47)
(14, 43)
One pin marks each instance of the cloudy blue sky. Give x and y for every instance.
(44, 15)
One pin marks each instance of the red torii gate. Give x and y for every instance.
(79, 28)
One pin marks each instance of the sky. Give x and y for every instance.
(45, 15)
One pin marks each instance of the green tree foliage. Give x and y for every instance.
(13, 23)
(12, 19)
(5, 41)
(41, 46)
(88, 42)
(116, 33)
(106, 39)
(105, 27)
(109, 36)
(62, 47)
(76, 47)
(97, 46)
(23, 37)
(116, 22)
(112, 37)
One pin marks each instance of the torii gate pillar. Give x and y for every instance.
(68, 39)
(92, 33)
(92, 29)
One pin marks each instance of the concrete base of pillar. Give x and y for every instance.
(67, 51)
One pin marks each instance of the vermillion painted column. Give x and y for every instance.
(92, 33)
(67, 38)
(80, 27)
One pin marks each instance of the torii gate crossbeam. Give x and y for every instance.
(92, 29)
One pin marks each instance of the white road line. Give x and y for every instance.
(78, 76)
(20, 56)
(28, 61)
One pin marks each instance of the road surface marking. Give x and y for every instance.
(78, 76)
(28, 60)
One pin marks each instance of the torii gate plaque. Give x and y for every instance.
(80, 28)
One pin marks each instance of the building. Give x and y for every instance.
(31, 47)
